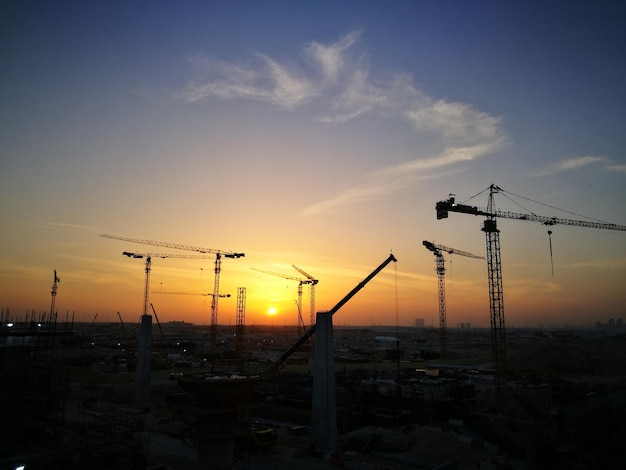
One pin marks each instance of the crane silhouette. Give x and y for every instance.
(494, 268)
(312, 285)
(440, 269)
(301, 282)
(218, 267)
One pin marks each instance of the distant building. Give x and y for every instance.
(419, 323)
(619, 323)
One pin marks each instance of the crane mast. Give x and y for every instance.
(494, 269)
(312, 285)
(240, 329)
(54, 295)
(440, 269)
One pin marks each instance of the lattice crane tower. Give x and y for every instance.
(440, 269)
(312, 285)
(494, 268)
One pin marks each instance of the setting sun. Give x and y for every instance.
(271, 311)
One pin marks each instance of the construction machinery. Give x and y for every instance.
(440, 269)
(494, 268)
(121, 323)
(148, 267)
(240, 328)
(276, 365)
(301, 282)
(158, 323)
(218, 267)
(312, 285)
(54, 296)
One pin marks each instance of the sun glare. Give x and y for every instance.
(271, 311)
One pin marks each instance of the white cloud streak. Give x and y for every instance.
(270, 82)
(618, 168)
(341, 83)
(569, 165)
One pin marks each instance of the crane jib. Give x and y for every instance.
(443, 207)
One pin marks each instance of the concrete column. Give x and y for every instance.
(142, 374)
(324, 413)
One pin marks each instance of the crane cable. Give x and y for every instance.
(550, 242)
(395, 270)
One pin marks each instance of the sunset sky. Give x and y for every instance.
(311, 133)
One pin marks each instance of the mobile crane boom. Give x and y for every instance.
(158, 323)
(273, 368)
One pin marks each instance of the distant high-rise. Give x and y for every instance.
(419, 323)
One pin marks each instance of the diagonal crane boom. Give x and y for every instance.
(218, 268)
(312, 285)
(494, 268)
(440, 268)
(275, 367)
(301, 282)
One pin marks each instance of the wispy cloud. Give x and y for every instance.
(263, 80)
(569, 165)
(619, 168)
(337, 78)
(61, 225)
(392, 178)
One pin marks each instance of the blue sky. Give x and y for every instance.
(319, 134)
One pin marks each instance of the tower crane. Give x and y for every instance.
(312, 285)
(54, 295)
(494, 268)
(301, 282)
(218, 267)
(240, 329)
(148, 257)
(440, 269)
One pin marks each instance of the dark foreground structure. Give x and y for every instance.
(69, 400)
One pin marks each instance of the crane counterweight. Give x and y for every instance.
(494, 268)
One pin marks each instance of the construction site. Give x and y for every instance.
(151, 395)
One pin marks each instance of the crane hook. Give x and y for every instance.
(550, 242)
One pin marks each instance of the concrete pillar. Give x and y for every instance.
(142, 374)
(324, 413)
